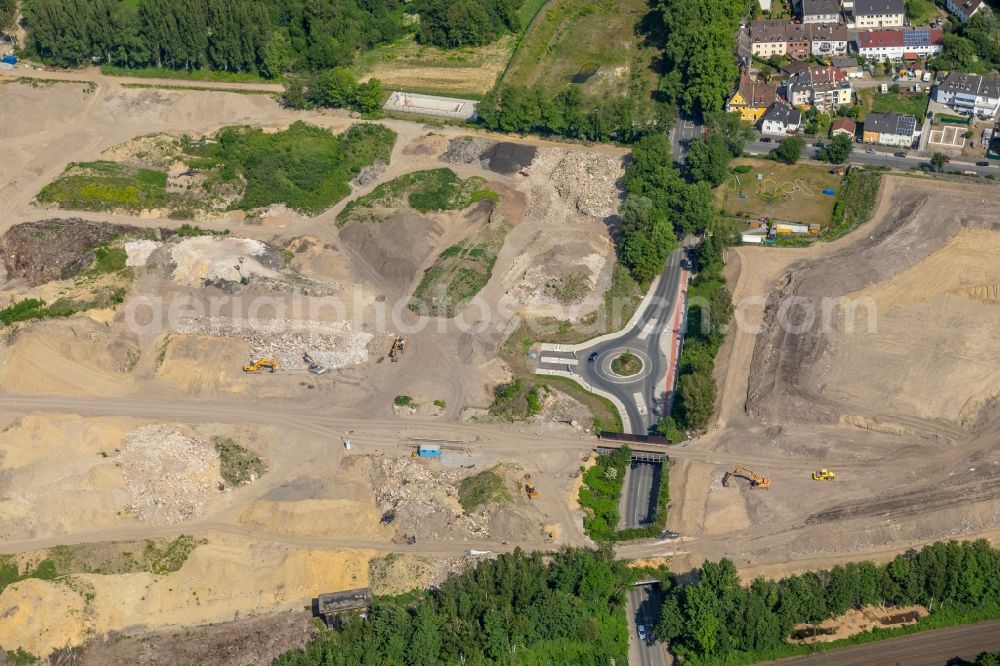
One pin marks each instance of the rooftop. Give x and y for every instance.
(875, 7)
(779, 112)
(890, 123)
(822, 7)
(912, 37)
(844, 125)
(981, 86)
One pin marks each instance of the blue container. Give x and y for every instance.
(9, 59)
(429, 451)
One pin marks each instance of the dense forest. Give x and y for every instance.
(717, 619)
(517, 609)
(974, 46)
(267, 37)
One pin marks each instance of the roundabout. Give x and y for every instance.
(623, 365)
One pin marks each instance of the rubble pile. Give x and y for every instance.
(331, 344)
(580, 181)
(421, 496)
(466, 150)
(226, 259)
(169, 476)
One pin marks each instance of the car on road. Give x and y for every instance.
(982, 163)
(900, 153)
(765, 139)
(592, 357)
(871, 151)
(642, 632)
(668, 534)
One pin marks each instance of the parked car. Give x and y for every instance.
(982, 163)
(592, 357)
(871, 151)
(930, 114)
(765, 139)
(900, 153)
(819, 144)
(642, 632)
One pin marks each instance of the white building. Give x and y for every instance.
(879, 14)
(890, 129)
(964, 9)
(970, 94)
(780, 120)
(900, 45)
(819, 11)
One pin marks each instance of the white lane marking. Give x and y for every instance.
(558, 360)
(647, 329)
(640, 402)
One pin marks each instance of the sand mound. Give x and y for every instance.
(225, 259)
(315, 517)
(75, 357)
(427, 145)
(28, 610)
(202, 364)
(170, 477)
(394, 249)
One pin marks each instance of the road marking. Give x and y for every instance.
(640, 402)
(647, 329)
(558, 360)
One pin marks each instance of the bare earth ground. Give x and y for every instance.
(914, 463)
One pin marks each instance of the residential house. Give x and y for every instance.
(890, 129)
(751, 98)
(970, 94)
(820, 11)
(964, 9)
(826, 88)
(848, 65)
(843, 125)
(900, 45)
(780, 120)
(777, 38)
(879, 14)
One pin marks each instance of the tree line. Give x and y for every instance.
(519, 608)
(973, 46)
(717, 619)
(266, 37)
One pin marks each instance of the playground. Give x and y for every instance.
(791, 192)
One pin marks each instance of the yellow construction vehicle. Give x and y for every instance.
(261, 363)
(756, 480)
(824, 475)
(530, 489)
(398, 347)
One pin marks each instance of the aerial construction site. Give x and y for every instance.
(210, 414)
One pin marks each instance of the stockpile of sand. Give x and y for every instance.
(331, 344)
(170, 477)
(222, 259)
(575, 181)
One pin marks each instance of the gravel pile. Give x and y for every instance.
(588, 183)
(466, 150)
(422, 495)
(169, 476)
(371, 172)
(508, 157)
(333, 345)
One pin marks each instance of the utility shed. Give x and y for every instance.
(329, 607)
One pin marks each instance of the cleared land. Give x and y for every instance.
(787, 193)
(593, 44)
(908, 103)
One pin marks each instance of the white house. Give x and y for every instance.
(970, 94)
(780, 119)
(899, 45)
(820, 11)
(826, 88)
(964, 9)
(879, 14)
(890, 129)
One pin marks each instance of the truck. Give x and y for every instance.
(428, 451)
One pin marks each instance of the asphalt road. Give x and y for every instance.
(638, 503)
(643, 607)
(882, 157)
(642, 394)
(929, 648)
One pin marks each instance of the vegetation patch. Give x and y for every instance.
(108, 260)
(404, 401)
(626, 364)
(602, 486)
(906, 103)
(424, 191)
(106, 186)
(487, 487)
(238, 464)
(458, 274)
(518, 400)
(563, 608)
(856, 203)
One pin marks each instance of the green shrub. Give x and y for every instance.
(238, 464)
(487, 487)
(106, 186)
(108, 260)
(404, 401)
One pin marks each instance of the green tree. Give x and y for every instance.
(335, 88)
(838, 150)
(708, 159)
(278, 54)
(789, 150)
(697, 399)
(368, 96)
(734, 130)
(938, 160)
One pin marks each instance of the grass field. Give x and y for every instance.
(106, 186)
(458, 274)
(789, 193)
(593, 43)
(424, 191)
(913, 104)
(922, 12)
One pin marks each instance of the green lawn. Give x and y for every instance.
(908, 103)
(790, 193)
(593, 42)
(922, 12)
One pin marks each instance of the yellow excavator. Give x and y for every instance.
(529, 487)
(261, 363)
(824, 475)
(756, 480)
